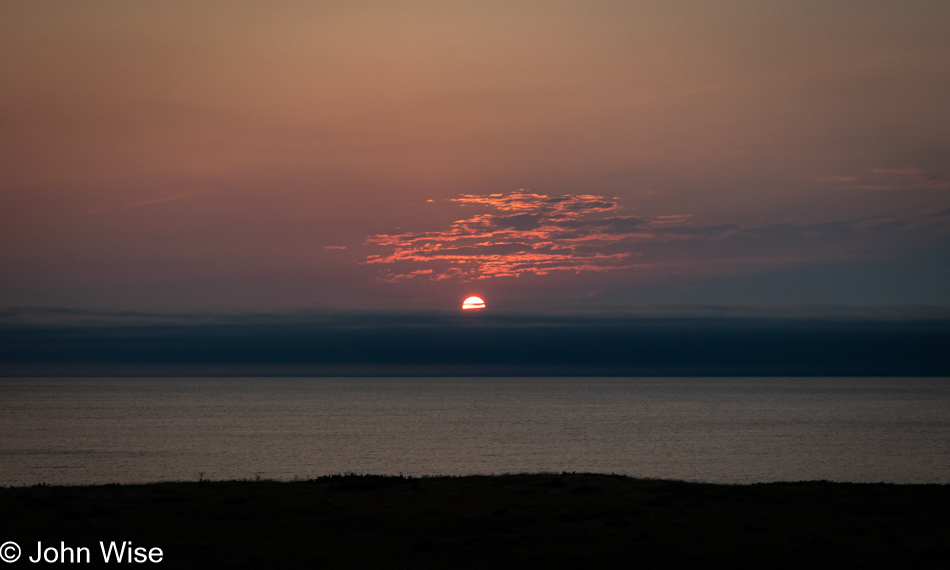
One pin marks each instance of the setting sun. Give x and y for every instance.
(473, 303)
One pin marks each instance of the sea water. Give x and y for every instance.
(724, 430)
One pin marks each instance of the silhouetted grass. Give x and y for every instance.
(506, 521)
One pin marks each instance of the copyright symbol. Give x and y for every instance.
(10, 551)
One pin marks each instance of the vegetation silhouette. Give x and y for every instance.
(567, 520)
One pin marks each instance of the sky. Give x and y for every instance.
(266, 157)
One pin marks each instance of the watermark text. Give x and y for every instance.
(118, 552)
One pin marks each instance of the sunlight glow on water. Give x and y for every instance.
(101, 430)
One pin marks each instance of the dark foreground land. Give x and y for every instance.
(511, 521)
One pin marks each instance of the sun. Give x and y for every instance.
(473, 303)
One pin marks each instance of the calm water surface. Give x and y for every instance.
(82, 430)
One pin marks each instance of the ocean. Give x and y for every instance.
(721, 430)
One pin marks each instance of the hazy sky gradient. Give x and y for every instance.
(239, 156)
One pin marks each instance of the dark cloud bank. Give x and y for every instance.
(470, 345)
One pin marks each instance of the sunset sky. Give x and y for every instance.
(228, 157)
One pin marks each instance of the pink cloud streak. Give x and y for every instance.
(901, 178)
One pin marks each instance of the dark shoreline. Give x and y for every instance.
(508, 521)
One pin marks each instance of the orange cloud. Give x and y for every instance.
(526, 234)
(533, 234)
